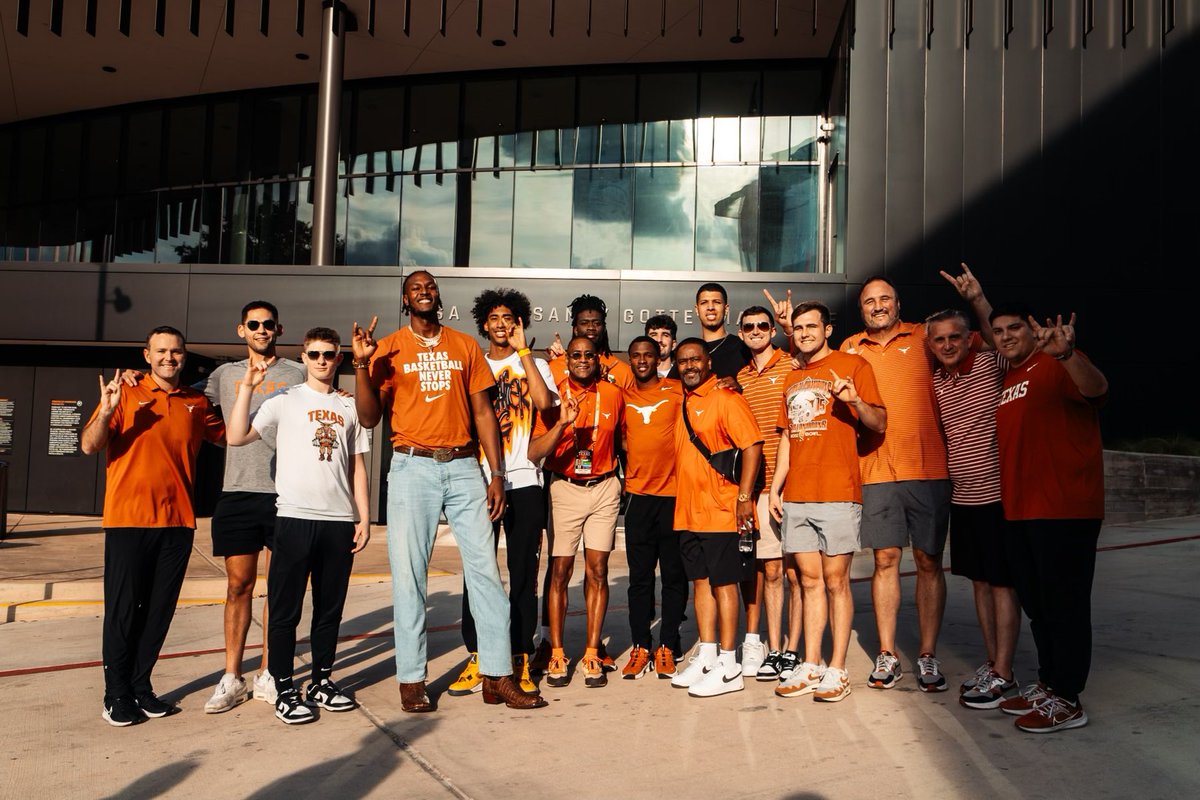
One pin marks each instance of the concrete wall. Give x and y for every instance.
(1141, 486)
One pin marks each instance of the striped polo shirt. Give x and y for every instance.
(967, 400)
(763, 390)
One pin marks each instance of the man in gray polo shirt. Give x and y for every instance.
(244, 520)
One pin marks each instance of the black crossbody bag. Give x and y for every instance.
(727, 463)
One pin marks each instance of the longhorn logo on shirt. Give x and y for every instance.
(325, 439)
(646, 411)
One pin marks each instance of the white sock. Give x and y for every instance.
(727, 662)
(707, 653)
(752, 638)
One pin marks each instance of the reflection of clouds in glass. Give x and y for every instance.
(427, 222)
(542, 219)
(374, 225)
(727, 218)
(664, 217)
(491, 219)
(602, 222)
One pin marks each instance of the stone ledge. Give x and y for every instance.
(1144, 486)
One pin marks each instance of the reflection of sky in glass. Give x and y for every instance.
(427, 222)
(603, 215)
(542, 219)
(727, 218)
(373, 225)
(788, 219)
(664, 217)
(491, 219)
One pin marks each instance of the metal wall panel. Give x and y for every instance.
(1061, 65)
(944, 137)
(983, 137)
(904, 211)
(1179, 177)
(1022, 135)
(867, 147)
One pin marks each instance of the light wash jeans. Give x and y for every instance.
(418, 490)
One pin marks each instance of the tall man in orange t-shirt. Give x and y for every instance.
(817, 491)
(438, 382)
(579, 444)
(152, 430)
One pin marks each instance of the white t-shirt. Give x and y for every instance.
(316, 436)
(515, 413)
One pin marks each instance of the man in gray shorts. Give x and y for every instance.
(244, 520)
(816, 492)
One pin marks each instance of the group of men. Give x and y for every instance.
(736, 459)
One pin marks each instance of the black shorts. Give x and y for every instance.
(243, 523)
(978, 547)
(714, 556)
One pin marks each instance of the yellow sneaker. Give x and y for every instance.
(469, 680)
(521, 673)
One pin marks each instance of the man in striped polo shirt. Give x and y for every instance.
(967, 385)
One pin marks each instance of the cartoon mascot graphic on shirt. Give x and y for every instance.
(325, 440)
(806, 402)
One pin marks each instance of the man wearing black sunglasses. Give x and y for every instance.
(243, 523)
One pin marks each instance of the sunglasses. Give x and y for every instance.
(583, 355)
(762, 325)
(315, 355)
(268, 324)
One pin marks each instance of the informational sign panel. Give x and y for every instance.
(7, 410)
(66, 424)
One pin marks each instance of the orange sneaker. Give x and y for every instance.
(606, 661)
(638, 665)
(664, 663)
(594, 676)
(558, 672)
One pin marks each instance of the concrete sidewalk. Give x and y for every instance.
(631, 739)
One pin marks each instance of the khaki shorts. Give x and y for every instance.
(770, 537)
(583, 513)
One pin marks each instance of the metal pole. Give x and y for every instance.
(329, 115)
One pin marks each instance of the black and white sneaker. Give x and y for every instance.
(769, 671)
(787, 664)
(153, 707)
(291, 710)
(328, 696)
(121, 712)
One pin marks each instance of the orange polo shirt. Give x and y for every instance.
(704, 501)
(912, 448)
(613, 369)
(649, 437)
(601, 408)
(763, 390)
(154, 436)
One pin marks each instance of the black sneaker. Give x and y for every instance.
(328, 696)
(788, 661)
(769, 671)
(121, 712)
(151, 706)
(289, 708)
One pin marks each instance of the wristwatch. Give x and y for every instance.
(743, 498)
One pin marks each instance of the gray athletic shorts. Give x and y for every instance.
(900, 513)
(829, 528)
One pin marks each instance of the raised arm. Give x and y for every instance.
(969, 289)
(366, 396)
(95, 434)
(1058, 340)
(544, 445)
(871, 416)
(539, 392)
(237, 430)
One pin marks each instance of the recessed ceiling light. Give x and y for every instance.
(109, 68)
(736, 39)
(302, 56)
(498, 43)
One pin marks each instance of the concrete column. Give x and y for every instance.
(329, 118)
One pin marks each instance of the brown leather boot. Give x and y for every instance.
(505, 690)
(414, 699)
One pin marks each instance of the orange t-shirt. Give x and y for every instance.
(704, 501)
(822, 431)
(430, 387)
(649, 437)
(763, 391)
(154, 436)
(612, 369)
(912, 449)
(601, 408)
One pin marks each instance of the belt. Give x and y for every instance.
(585, 484)
(442, 454)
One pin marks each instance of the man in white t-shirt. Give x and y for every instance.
(524, 388)
(321, 481)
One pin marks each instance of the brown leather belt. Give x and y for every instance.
(442, 454)
(585, 484)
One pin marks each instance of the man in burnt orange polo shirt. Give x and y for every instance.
(906, 482)
(651, 412)
(579, 444)
(710, 513)
(152, 431)
(438, 382)
(589, 318)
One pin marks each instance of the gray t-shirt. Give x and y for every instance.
(250, 468)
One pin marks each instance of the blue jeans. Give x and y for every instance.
(418, 490)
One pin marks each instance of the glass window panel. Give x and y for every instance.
(667, 95)
(378, 127)
(788, 219)
(547, 103)
(143, 153)
(727, 139)
(542, 219)
(523, 157)
(804, 139)
(792, 91)
(491, 219)
(224, 150)
(435, 156)
(729, 94)
(427, 215)
(611, 143)
(727, 219)
(607, 98)
(656, 142)
(633, 142)
(373, 221)
(21, 233)
(31, 155)
(185, 145)
(65, 154)
(602, 223)
(277, 135)
(94, 230)
(587, 145)
(664, 217)
(704, 140)
(6, 181)
(489, 107)
(300, 196)
(495, 152)
(549, 149)
(133, 241)
(775, 138)
(682, 146)
(181, 228)
(433, 113)
(56, 233)
(751, 138)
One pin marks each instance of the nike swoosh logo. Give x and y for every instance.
(144, 402)
(429, 399)
(1030, 369)
(725, 679)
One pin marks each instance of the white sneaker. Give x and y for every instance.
(264, 688)
(753, 655)
(803, 680)
(695, 670)
(716, 682)
(834, 686)
(230, 691)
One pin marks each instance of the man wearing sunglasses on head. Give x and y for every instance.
(243, 523)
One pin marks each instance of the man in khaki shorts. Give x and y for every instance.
(578, 443)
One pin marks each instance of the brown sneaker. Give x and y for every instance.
(594, 676)
(1053, 714)
(1030, 698)
(414, 699)
(505, 690)
(541, 657)
(664, 663)
(638, 665)
(606, 661)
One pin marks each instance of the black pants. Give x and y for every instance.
(1053, 562)
(524, 519)
(143, 573)
(305, 547)
(650, 539)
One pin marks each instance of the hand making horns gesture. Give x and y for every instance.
(516, 336)
(967, 285)
(843, 388)
(1055, 338)
(782, 308)
(362, 343)
(556, 348)
(110, 393)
